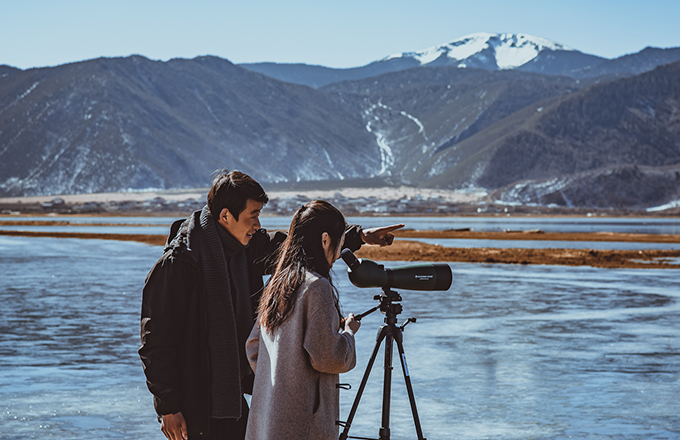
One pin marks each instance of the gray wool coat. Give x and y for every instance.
(297, 368)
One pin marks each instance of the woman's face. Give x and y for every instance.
(331, 254)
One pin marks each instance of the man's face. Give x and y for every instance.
(248, 221)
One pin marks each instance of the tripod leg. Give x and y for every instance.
(348, 424)
(407, 378)
(387, 387)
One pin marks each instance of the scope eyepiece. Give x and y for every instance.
(350, 259)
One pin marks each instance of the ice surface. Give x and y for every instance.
(508, 352)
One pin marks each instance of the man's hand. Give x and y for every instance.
(174, 426)
(381, 236)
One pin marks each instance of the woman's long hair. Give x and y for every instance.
(301, 251)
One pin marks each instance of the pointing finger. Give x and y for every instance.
(386, 229)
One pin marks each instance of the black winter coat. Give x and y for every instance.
(174, 326)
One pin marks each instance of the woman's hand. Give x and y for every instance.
(351, 324)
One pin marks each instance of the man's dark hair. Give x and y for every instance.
(231, 190)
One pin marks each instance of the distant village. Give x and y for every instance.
(416, 205)
(276, 206)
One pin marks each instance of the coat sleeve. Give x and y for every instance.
(329, 351)
(353, 240)
(253, 347)
(262, 250)
(164, 301)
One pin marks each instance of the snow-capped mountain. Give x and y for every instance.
(484, 50)
(480, 51)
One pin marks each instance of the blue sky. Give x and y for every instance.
(348, 33)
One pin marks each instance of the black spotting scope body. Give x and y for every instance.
(422, 276)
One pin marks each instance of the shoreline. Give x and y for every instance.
(421, 252)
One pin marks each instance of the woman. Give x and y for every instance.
(297, 347)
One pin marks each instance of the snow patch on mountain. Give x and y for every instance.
(421, 127)
(527, 191)
(671, 205)
(22, 96)
(386, 153)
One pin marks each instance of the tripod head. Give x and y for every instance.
(389, 304)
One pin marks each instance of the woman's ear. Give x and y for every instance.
(325, 241)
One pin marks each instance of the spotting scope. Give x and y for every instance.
(422, 276)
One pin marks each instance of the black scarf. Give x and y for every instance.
(230, 314)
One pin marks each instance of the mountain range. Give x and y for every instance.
(131, 123)
(483, 51)
(529, 120)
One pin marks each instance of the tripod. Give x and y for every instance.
(389, 332)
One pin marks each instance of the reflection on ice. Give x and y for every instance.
(509, 352)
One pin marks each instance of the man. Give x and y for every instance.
(198, 309)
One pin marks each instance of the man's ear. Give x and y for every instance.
(225, 217)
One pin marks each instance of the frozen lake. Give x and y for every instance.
(509, 352)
